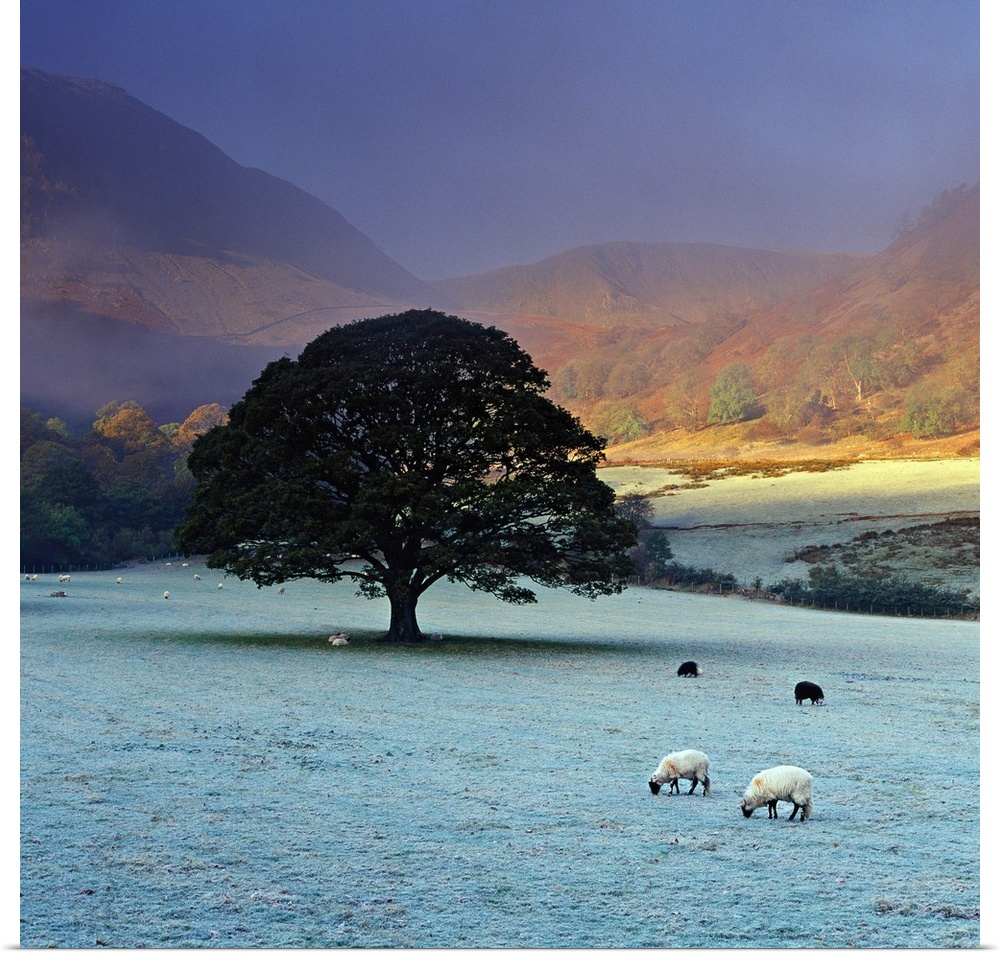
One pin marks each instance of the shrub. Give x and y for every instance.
(831, 589)
(932, 411)
(680, 575)
(733, 395)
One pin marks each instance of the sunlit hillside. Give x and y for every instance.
(142, 240)
(883, 355)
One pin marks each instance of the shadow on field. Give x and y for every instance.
(372, 644)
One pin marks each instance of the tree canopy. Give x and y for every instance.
(401, 450)
(733, 395)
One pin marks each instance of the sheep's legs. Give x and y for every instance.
(772, 809)
(694, 782)
(795, 808)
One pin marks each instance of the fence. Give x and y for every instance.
(43, 569)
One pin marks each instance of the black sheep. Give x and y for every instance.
(808, 691)
(688, 668)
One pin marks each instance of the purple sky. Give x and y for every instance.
(463, 135)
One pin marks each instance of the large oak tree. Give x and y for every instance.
(401, 450)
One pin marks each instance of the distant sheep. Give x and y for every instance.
(689, 668)
(197, 576)
(781, 783)
(64, 578)
(804, 690)
(339, 639)
(166, 594)
(686, 764)
(220, 587)
(118, 580)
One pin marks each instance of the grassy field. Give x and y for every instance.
(207, 771)
(753, 524)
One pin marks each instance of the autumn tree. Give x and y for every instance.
(687, 402)
(626, 378)
(400, 451)
(202, 419)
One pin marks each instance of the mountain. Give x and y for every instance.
(153, 267)
(128, 214)
(926, 284)
(838, 370)
(646, 284)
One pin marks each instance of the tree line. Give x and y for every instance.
(878, 385)
(112, 495)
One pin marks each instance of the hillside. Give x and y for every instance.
(648, 285)
(884, 356)
(128, 214)
(130, 221)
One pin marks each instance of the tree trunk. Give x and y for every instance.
(403, 620)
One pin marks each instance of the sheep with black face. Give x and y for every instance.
(780, 783)
(685, 764)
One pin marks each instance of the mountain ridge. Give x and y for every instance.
(133, 177)
(653, 283)
(130, 218)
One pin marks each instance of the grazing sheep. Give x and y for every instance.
(281, 590)
(64, 578)
(780, 783)
(118, 580)
(197, 576)
(805, 690)
(166, 594)
(220, 587)
(689, 668)
(686, 764)
(339, 639)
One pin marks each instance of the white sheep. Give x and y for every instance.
(339, 639)
(64, 578)
(118, 580)
(686, 764)
(166, 594)
(785, 783)
(197, 576)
